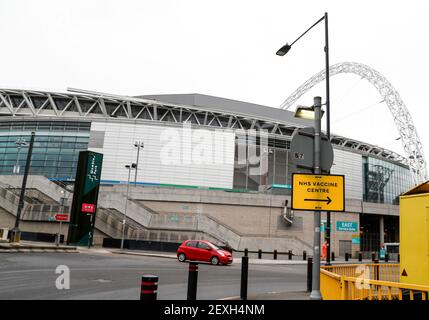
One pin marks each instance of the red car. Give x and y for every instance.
(201, 250)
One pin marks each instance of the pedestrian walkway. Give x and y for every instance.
(300, 295)
(33, 246)
(236, 260)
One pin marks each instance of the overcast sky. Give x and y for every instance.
(226, 49)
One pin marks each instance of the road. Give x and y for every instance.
(111, 276)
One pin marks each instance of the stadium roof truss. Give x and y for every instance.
(93, 106)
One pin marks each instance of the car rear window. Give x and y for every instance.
(191, 244)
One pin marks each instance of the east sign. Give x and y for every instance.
(317, 192)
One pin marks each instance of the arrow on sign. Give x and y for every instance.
(328, 200)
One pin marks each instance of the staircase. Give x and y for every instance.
(143, 223)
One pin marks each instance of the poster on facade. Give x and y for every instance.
(355, 239)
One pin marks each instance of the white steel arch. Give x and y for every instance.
(403, 121)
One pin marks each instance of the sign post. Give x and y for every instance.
(315, 292)
(60, 217)
(317, 192)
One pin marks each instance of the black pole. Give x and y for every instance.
(192, 281)
(244, 277)
(275, 254)
(360, 257)
(346, 256)
(259, 254)
(304, 255)
(377, 270)
(289, 254)
(137, 165)
(328, 133)
(333, 256)
(246, 252)
(149, 287)
(16, 233)
(309, 274)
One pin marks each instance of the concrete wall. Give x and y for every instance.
(243, 220)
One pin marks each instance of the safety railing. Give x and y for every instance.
(367, 282)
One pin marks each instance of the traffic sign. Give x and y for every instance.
(61, 217)
(302, 150)
(318, 192)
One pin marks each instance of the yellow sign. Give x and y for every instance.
(317, 192)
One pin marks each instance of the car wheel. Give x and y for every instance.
(214, 260)
(181, 257)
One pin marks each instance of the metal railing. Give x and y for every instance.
(368, 282)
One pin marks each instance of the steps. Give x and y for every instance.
(144, 223)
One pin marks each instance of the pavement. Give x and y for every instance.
(295, 295)
(297, 260)
(32, 246)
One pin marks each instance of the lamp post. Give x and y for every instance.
(139, 145)
(15, 232)
(281, 52)
(129, 167)
(20, 143)
(316, 112)
(63, 200)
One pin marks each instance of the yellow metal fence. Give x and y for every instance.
(367, 282)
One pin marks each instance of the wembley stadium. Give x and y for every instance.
(191, 181)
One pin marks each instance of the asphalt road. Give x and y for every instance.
(112, 276)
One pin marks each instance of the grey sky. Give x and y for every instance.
(224, 48)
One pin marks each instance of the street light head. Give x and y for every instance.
(304, 112)
(283, 50)
(139, 144)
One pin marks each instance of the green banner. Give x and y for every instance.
(85, 197)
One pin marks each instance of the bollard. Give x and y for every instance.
(346, 256)
(290, 254)
(192, 281)
(398, 258)
(149, 287)
(246, 252)
(275, 254)
(304, 255)
(244, 277)
(386, 257)
(360, 257)
(309, 274)
(373, 256)
(259, 254)
(333, 256)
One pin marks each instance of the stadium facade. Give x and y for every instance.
(200, 142)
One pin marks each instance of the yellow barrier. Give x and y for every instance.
(367, 282)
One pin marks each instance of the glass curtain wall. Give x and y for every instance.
(56, 147)
(384, 181)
